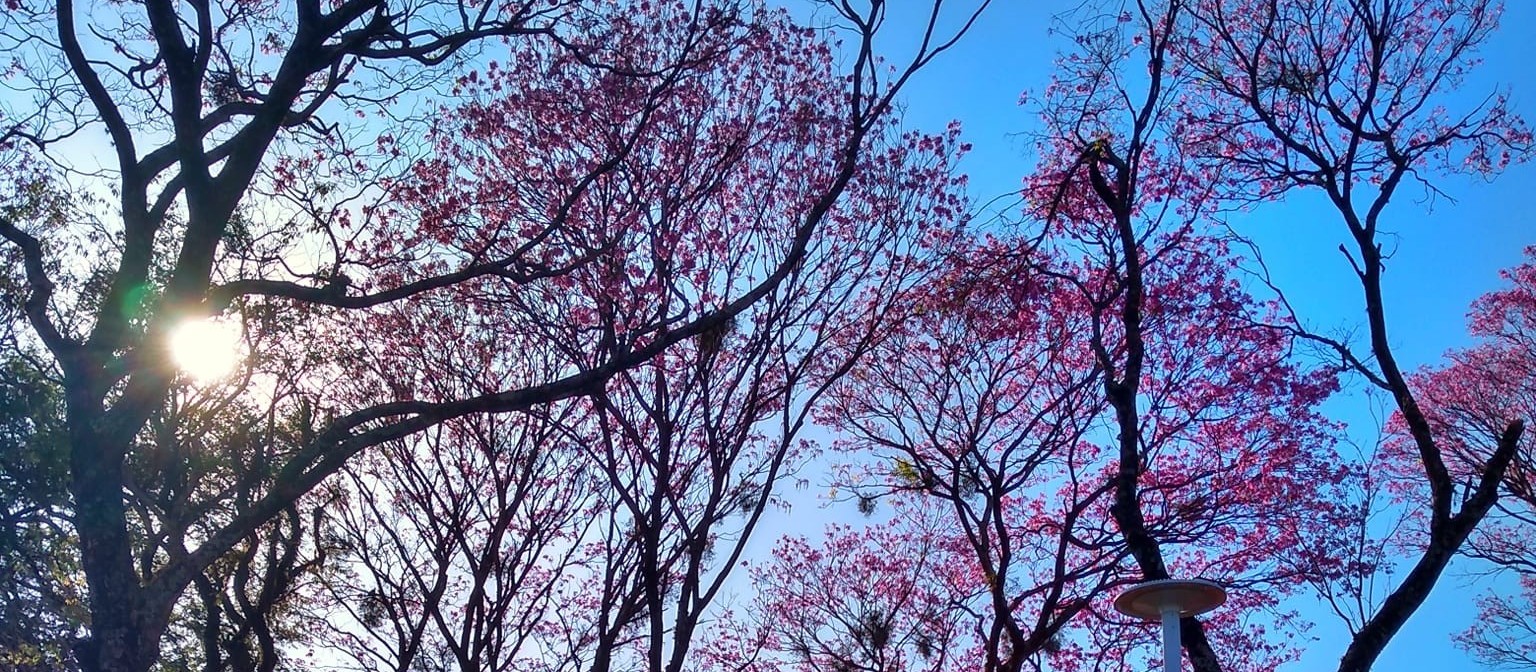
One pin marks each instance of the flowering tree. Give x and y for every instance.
(880, 599)
(1218, 441)
(1504, 633)
(1343, 98)
(977, 403)
(607, 543)
(992, 424)
(695, 444)
(1220, 465)
(1470, 404)
(239, 182)
(1090, 401)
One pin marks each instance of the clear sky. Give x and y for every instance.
(1448, 255)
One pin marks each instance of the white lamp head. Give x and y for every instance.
(1188, 597)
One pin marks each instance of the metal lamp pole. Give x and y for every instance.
(1168, 600)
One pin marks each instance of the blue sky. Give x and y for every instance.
(1447, 255)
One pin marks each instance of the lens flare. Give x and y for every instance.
(206, 349)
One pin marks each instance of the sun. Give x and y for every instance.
(206, 349)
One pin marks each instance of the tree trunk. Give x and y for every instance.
(125, 625)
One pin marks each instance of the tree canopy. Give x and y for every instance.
(515, 324)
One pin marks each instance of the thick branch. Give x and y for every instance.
(36, 303)
(1444, 542)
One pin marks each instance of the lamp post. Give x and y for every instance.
(1169, 600)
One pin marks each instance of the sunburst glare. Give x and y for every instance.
(206, 349)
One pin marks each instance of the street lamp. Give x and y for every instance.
(1169, 600)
